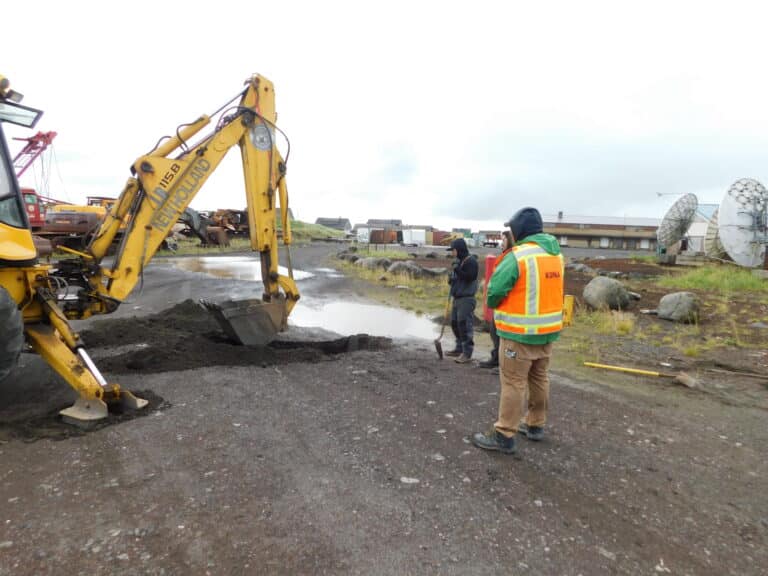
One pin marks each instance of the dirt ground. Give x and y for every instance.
(344, 455)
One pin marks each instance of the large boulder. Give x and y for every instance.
(579, 267)
(434, 272)
(406, 268)
(679, 307)
(374, 263)
(606, 293)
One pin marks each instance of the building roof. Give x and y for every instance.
(335, 223)
(385, 223)
(601, 220)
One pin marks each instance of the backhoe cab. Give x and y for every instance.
(163, 183)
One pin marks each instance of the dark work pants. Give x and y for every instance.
(462, 324)
(495, 340)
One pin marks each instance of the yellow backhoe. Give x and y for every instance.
(37, 300)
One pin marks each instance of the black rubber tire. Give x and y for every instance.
(11, 333)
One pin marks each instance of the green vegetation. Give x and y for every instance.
(301, 232)
(419, 295)
(715, 278)
(304, 231)
(370, 250)
(607, 322)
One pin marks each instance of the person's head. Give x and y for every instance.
(459, 248)
(525, 222)
(506, 240)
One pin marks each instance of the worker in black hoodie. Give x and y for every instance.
(463, 281)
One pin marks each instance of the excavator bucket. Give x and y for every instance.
(250, 322)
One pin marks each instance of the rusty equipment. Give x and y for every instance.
(438, 343)
(680, 377)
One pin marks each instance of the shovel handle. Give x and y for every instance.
(623, 369)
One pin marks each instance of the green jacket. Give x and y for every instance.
(504, 277)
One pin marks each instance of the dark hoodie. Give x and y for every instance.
(526, 222)
(463, 279)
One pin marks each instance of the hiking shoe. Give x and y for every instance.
(495, 441)
(490, 363)
(453, 353)
(463, 359)
(535, 433)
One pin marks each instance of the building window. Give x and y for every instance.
(563, 240)
(605, 242)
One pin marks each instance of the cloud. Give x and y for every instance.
(433, 113)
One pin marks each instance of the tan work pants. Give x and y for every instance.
(523, 374)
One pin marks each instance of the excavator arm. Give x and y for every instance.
(160, 189)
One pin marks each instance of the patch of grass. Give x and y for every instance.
(718, 279)
(304, 231)
(608, 321)
(647, 259)
(370, 251)
(692, 351)
(423, 295)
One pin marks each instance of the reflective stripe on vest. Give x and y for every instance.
(534, 305)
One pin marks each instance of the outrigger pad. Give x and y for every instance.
(85, 411)
(88, 410)
(250, 322)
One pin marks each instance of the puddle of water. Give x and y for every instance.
(348, 318)
(237, 267)
(325, 270)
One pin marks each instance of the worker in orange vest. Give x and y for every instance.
(526, 293)
(493, 361)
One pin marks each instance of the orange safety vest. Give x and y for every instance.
(535, 303)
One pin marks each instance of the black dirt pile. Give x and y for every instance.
(186, 336)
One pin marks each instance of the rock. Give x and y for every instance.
(606, 293)
(758, 325)
(348, 257)
(679, 307)
(431, 255)
(435, 271)
(407, 480)
(579, 267)
(407, 268)
(373, 263)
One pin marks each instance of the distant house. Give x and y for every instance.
(619, 233)
(384, 224)
(415, 234)
(342, 224)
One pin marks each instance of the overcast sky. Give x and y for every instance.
(442, 113)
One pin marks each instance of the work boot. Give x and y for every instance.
(535, 433)
(453, 353)
(495, 441)
(463, 359)
(490, 363)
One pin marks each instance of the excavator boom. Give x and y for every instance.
(162, 185)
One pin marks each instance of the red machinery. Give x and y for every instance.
(34, 147)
